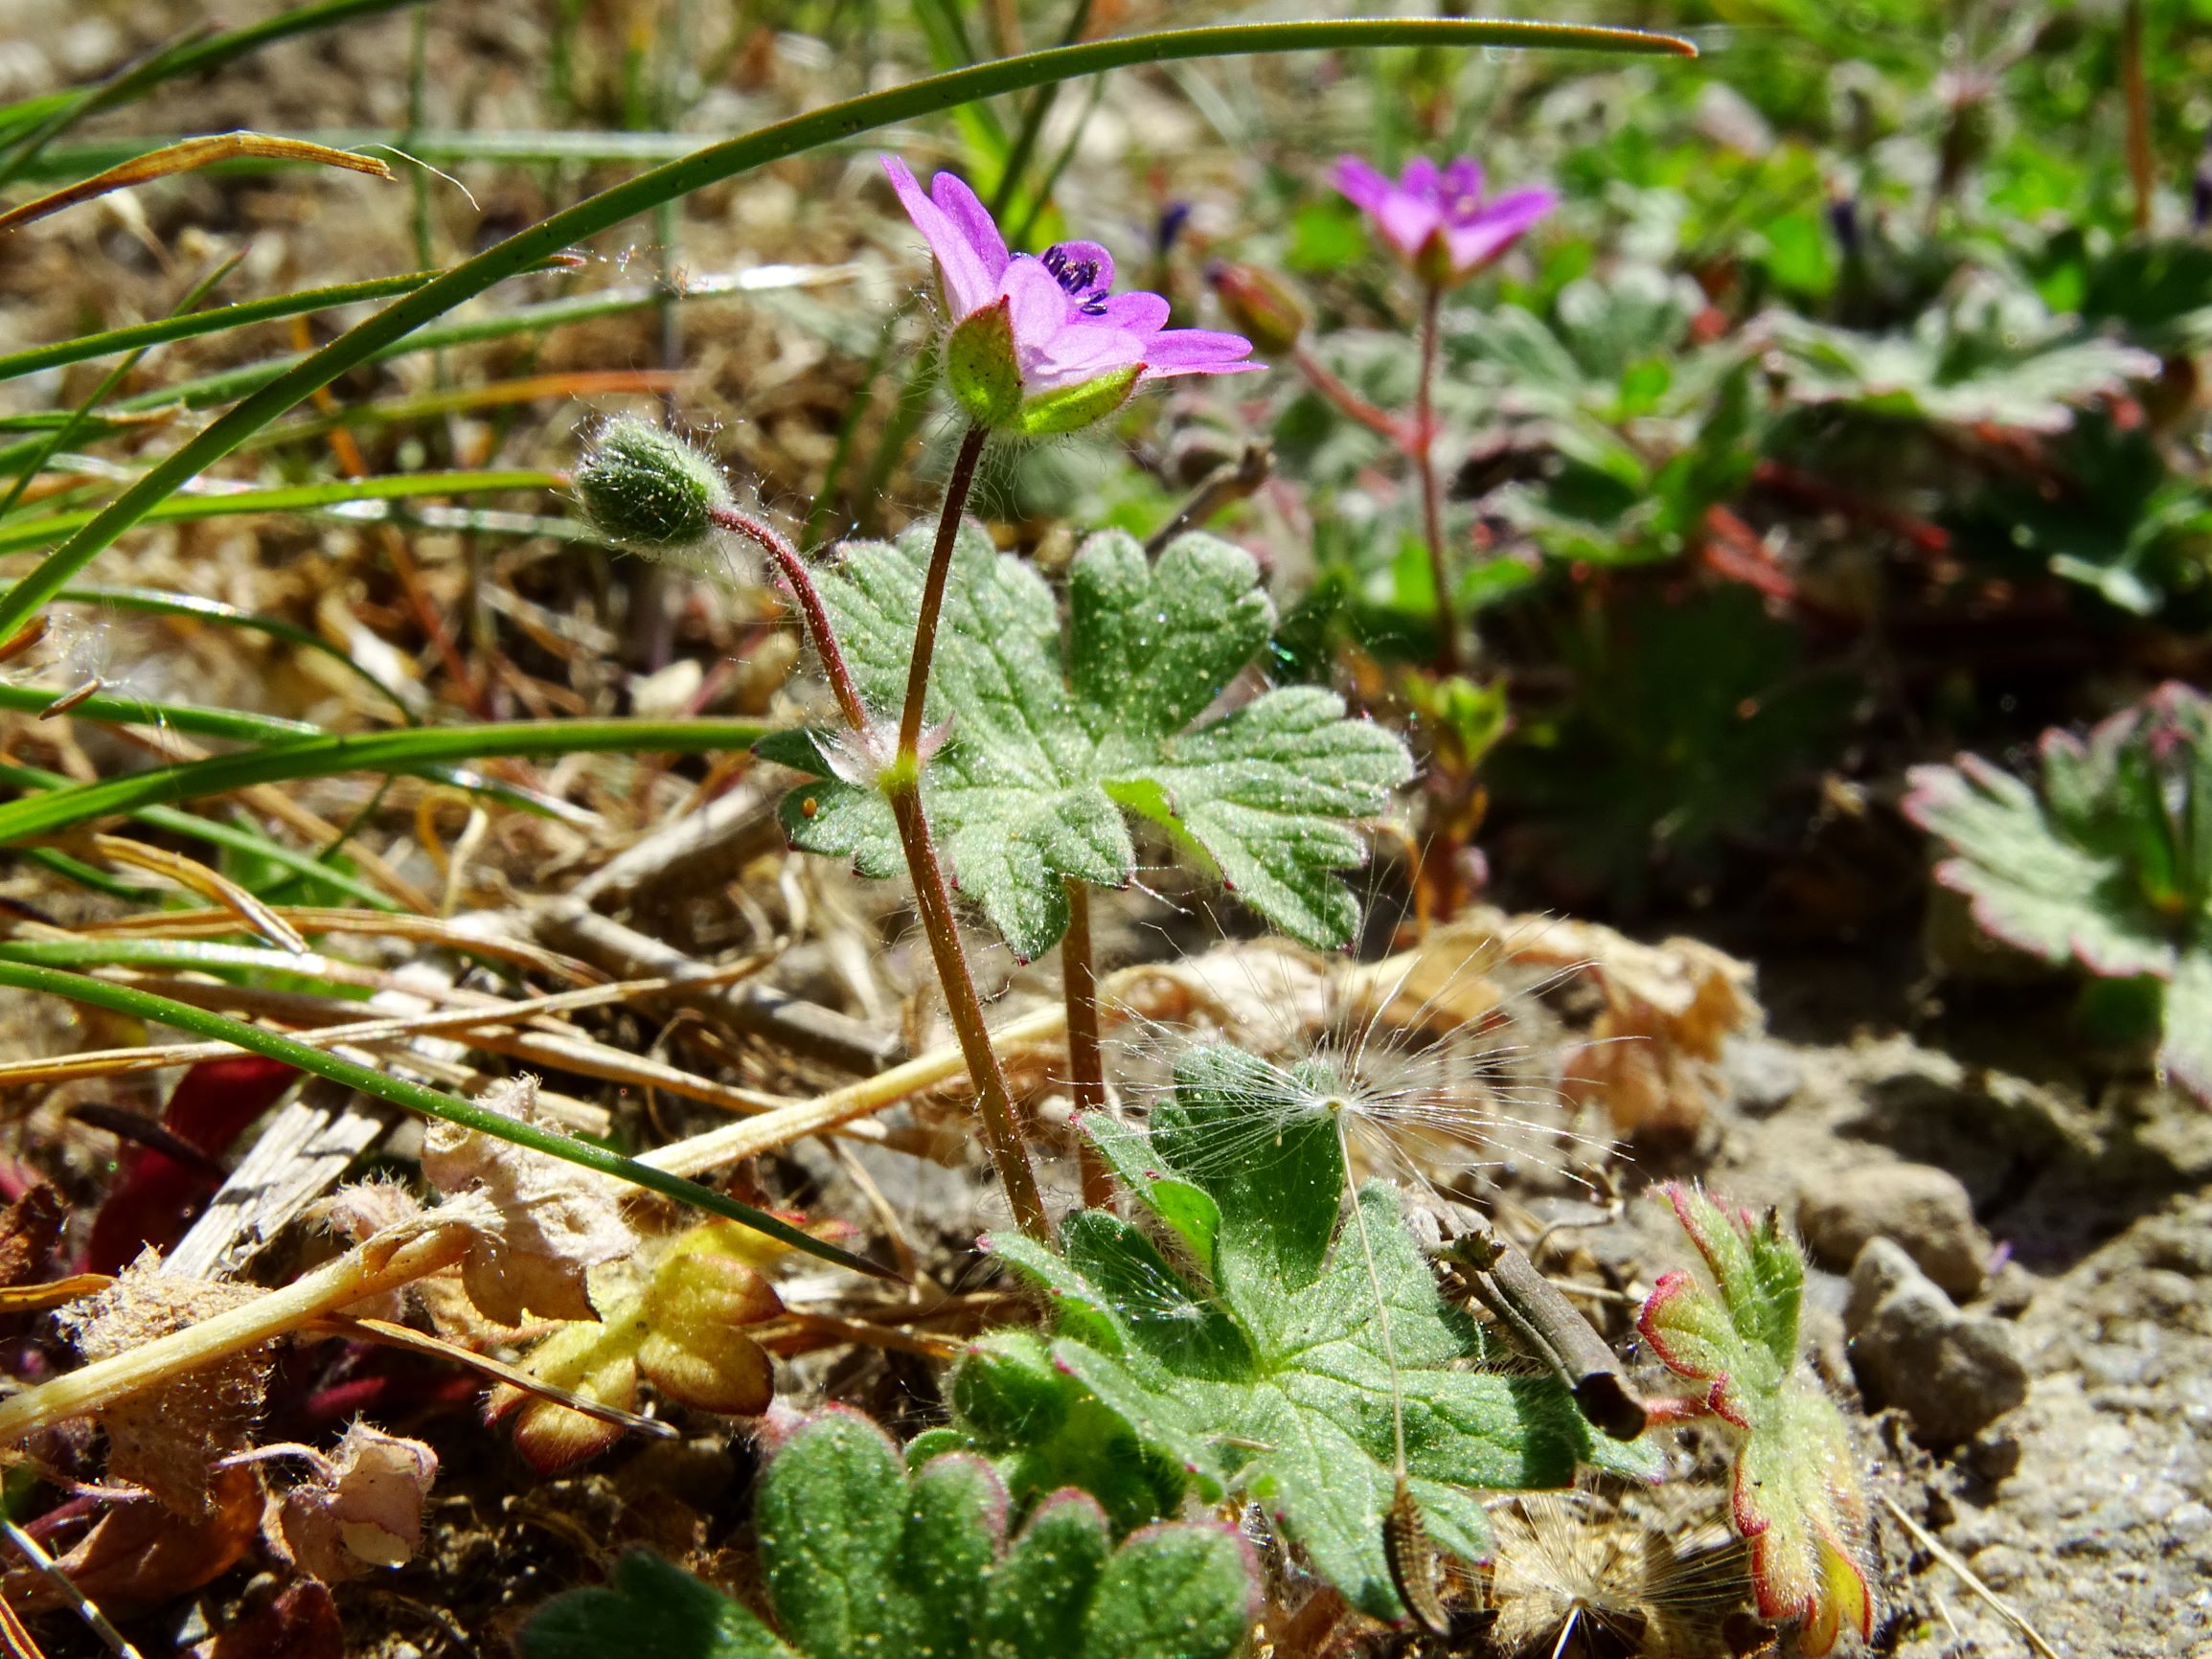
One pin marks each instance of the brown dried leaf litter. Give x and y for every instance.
(169, 1439)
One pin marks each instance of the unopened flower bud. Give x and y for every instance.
(645, 488)
(1260, 306)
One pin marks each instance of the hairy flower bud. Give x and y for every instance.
(647, 489)
(1260, 304)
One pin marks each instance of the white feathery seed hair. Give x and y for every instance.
(1432, 1060)
(1406, 1061)
(1578, 1574)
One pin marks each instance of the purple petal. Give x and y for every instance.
(1076, 255)
(1137, 311)
(1408, 223)
(1040, 308)
(1081, 352)
(1197, 351)
(960, 205)
(1419, 178)
(1463, 186)
(1365, 188)
(1500, 224)
(968, 287)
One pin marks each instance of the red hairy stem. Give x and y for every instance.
(901, 782)
(933, 594)
(801, 582)
(1349, 403)
(994, 1100)
(1423, 450)
(1086, 1059)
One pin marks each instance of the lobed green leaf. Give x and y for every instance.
(1048, 746)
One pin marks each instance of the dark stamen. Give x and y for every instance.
(1079, 276)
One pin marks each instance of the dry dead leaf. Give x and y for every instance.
(361, 1513)
(139, 1555)
(300, 1622)
(684, 1331)
(185, 156)
(1652, 1057)
(552, 1222)
(169, 1438)
(1268, 993)
(29, 1230)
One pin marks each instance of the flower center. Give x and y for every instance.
(1079, 276)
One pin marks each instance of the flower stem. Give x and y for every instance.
(1423, 452)
(1349, 403)
(903, 789)
(934, 900)
(1085, 1060)
(933, 595)
(2135, 89)
(901, 785)
(801, 582)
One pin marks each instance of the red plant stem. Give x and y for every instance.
(934, 900)
(1086, 1059)
(2137, 89)
(1424, 452)
(1349, 403)
(933, 595)
(901, 782)
(801, 582)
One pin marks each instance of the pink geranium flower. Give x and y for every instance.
(1438, 218)
(1039, 343)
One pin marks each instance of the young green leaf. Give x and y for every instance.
(859, 1556)
(1261, 1371)
(1048, 748)
(2110, 867)
(1795, 1495)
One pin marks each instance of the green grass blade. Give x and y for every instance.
(207, 390)
(190, 955)
(213, 321)
(86, 412)
(508, 147)
(721, 161)
(432, 1103)
(290, 498)
(85, 876)
(198, 720)
(202, 721)
(231, 837)
(414, 750)
(33, 122)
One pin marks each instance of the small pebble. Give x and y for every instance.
(1762, 1075)
(1950, 1373)
(1918, 1206)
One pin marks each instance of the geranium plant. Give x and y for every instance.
(1279, 1351)
(1794, 1494)
(2108, 867)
